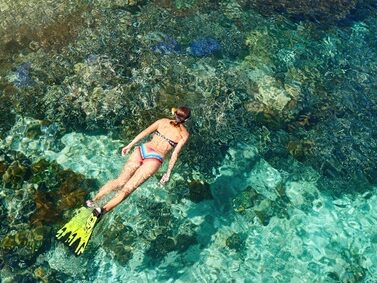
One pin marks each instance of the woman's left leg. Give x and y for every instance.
(132, 164)
(146, 170)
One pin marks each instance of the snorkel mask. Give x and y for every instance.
(178, 118)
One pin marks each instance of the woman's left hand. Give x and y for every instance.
(126, 149)
(165, 178)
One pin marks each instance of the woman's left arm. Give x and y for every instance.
(173, 158)
(141, 135)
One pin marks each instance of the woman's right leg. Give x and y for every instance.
(142, 174)
(132, 164)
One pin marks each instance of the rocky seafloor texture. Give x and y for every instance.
(278, 181)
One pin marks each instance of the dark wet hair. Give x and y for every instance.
(182, 113)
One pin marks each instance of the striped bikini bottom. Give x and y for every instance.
(149, 153)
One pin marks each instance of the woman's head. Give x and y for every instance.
(181, 113)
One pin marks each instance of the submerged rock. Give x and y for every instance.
(245, 200)
(236, 242)
(199, 191)
(15, 173)
(184, 241)
(161, 246)
(120, 240)
(26, 242)
(253, 204)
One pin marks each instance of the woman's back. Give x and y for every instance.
(167, 136)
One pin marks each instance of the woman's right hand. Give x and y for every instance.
(126, 149)
(165, 178)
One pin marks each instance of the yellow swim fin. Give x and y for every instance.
(78, 230)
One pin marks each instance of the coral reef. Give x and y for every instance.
(84, 89)
(311, 100)
(21, 76)
(120, 240)
(163, 232)
(167, 45)
(256, 205)
(34, 137)
(112, 80)
(187, 8)
(204, 46)
(271, 98)
(282, 145)
(7, 116)
(300, 149)
(38, 25)
(328, 11)
(36, 195)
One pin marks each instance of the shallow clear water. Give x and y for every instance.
(278, 180)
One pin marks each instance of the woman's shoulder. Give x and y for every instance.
(163, 123)
(184, 133)
(164, 120)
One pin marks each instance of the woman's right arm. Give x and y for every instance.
(140, 136)
(174, 158)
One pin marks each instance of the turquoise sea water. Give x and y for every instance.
(278, 180)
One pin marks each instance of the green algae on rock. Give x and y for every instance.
(36, 195)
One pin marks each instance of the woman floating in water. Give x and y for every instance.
(143, 162)
(146, 159)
